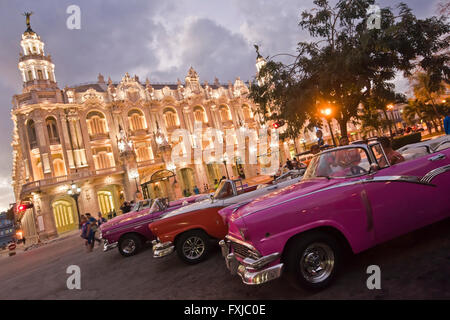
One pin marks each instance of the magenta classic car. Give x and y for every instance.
(350, 198)
(129, 232)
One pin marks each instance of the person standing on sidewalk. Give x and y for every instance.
(91, 230)
(447, 123)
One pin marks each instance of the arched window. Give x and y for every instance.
(200, 114)
(52, 130)
(59, 169)
(136, 120)
(40, 75)
(30, 75)
(225, 114)
(248, 114)
(96, 124)
(32, 138)
(171, 118)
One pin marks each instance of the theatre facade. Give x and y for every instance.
(90, 147)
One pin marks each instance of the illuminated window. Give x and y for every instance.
(96, 123)
(171, 118)
(136, 120)
(103, 158)
(32, 138)
(143, 152)
(52, 130)
(247, 112)
(59, 169)
(200, 114)
(225, 114)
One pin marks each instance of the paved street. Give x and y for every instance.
(416, 266)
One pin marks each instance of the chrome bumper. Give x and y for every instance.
(109, 246)
(252, 271)
(162, 249)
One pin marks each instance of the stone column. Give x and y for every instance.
(166, 151)
(128, 159)
(45, 217)
(44, 147)
(25, 144)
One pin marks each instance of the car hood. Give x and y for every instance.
(123, 219)
(190, 208)
(272, 199)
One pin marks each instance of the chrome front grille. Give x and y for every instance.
(243, 252)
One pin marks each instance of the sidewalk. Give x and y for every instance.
(22, 248)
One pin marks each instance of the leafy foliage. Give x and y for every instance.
(347, 64)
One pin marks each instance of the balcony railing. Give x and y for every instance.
(83, 174)
(98, 136)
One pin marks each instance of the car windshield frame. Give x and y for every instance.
(222, 184)
(312, 167)
(140, 205)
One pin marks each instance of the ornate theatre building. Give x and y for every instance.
(88, 148)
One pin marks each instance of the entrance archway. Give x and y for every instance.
(65, 215)
(108, 201)
(159, 185)
(187, 177)
(214, 172)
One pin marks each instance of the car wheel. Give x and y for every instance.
(313, 260)
(193, 246)
(129, 245)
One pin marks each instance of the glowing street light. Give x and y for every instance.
(74, 191)
(327, 113)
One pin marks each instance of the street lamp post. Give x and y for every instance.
(390, 107)
(75, 192)
(327, 112)
(224, 159)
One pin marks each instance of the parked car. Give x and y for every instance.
(191, 230)
(344, 201)
(419, 149)
(129, 232)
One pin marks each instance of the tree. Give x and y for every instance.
(346, 63)
(427, 91)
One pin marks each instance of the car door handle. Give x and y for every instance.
(440, 156)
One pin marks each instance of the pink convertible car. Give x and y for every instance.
(349, 198)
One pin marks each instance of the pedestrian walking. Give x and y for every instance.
(90, 232)
(319, 135)
(196, 190)
(447, 123)
(100, 219)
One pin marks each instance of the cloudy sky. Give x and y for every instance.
(154, 38)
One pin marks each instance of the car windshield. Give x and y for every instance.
(224, 190)
(140, 205)
(340, 163)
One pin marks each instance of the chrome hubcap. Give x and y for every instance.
(193, 247)
(128, 246)
(317, 262)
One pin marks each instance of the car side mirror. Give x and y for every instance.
(374, 168)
